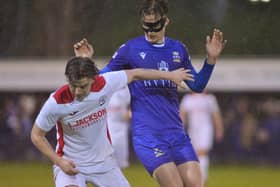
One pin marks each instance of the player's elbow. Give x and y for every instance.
(198, 90)
(196, 87)
(35, 135)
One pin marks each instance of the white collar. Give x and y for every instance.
(157, 45)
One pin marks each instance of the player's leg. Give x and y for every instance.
(62, 179)
(111, 178)
(191, 174)
(186, 160)
(202, 143)
(106, 174)
(204, 164)
(167, 175)
(154, 153)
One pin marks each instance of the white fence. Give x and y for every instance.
(230, 74)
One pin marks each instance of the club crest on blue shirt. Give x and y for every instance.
(163, 66)
(176, 56)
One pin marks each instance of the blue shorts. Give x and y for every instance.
(155, 150)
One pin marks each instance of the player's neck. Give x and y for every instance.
(159, 43)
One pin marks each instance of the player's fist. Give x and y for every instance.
(68, 166)
(83, 49)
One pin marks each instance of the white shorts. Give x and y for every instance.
(110, 178)
(202, 139)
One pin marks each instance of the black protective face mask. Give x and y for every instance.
(153, 27)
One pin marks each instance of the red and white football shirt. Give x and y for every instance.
(82, 133)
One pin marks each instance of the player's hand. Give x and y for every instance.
(214, 46)
(68, 166)
(83, 49)
(181, 74)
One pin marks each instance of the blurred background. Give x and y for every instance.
(37, 38)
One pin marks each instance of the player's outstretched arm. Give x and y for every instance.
(83, 49)
(38, 138)
(214, 46)
(176, 76)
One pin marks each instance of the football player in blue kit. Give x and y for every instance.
(159, 138)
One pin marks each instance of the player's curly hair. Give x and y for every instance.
(159, 7)
(80, 67)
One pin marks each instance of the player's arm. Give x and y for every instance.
(85, 49)
(38, 138)
(202, 77)
(218, 125)
(214, 47)
(176, 76)
(119, 60)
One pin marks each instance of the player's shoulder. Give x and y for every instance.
(137, 39)
(113, 77)
(63, 95)
(99, 83)
(176, 45)
(130, 44)
(134, 42)
(114, 74)
(175, 42)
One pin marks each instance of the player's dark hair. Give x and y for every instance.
(157, 7)
(80, 67)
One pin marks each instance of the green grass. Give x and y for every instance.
(244, 176)
(34, 174)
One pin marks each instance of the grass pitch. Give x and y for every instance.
(34, 174)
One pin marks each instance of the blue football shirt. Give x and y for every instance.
(154, 103)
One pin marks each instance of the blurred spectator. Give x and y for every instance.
(118, 122)
(27, 104)
(18, 118)
(251, 125)
(201, 116)
(248, 129)
(243, 129)
(12, 117)
(269, 133)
